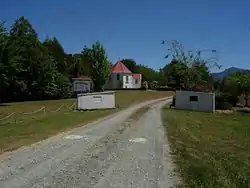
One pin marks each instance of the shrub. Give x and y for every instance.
(225, 101)
(223, 106)
(219, 98)
(153, 85)
(233, 99)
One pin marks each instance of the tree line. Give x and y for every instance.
(31, 69)
(188, 69)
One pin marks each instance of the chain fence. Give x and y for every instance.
(43, 109)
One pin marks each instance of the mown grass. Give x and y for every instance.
(32, 128)
(211, 150)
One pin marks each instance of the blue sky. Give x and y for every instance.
(135, 28)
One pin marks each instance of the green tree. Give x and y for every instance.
(131, 65)
(148, 74)
(51, 84)
(198, 74)
(79, 66)
(187, 67)
(57, 52)
(3, 61)
(242, 81)
(162, 80)
(23, 57)
(33, 73)
(175, 72)
(97, 58)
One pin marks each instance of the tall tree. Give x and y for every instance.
(188, 66)
(32, 70)
(130, 64)
(242, 81)
(97, 58)
(57, 52)
(80, 66)
(3, 62)
(148, 74)
(23, 57)
(198, 74)
(175, 72)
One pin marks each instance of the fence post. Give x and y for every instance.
(44, 110)
(15, 118)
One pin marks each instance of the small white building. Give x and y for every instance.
(82, 84)
(99, 100)
(121, 78)
(199, 101)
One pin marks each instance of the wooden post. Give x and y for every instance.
(44, 110)
(15, 118)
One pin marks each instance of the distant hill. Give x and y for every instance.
(227, 72)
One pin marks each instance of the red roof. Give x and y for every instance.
(119, 67)
(136, 76)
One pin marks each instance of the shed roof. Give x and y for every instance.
(119, 67)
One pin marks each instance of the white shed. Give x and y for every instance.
(100, 100)
(82, 84)
(199, 101)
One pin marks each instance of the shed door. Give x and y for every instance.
(194, 102)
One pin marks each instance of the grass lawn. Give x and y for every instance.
(31, 128)
(210, 150)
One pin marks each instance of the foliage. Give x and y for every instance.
(78, 66)
(154, 85)
(131, 65)
(29, 62)
(241, 80)
(175, 73)
(32, 70)
(187, 68)
(223, 105)
(29, 69)
(64, 86)
(3, 59)
(96, 57)
(148, 74)
(57, 52)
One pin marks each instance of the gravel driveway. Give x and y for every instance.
(113, 152)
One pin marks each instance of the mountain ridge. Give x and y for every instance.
(227, 72)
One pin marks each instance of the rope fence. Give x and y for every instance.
(8, 116)
(42, 109)
(34, 112)
(57, 110)
(71, 106)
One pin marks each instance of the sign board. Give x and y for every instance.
(97, 98)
